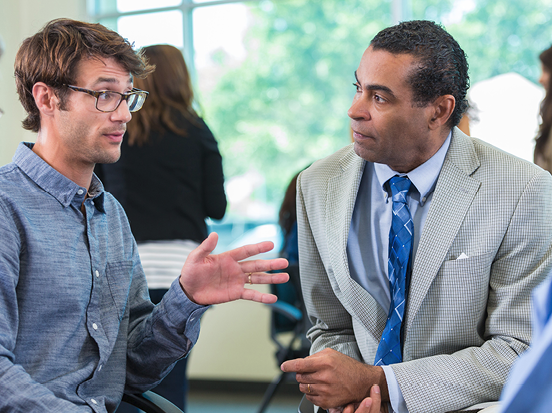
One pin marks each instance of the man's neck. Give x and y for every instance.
(55, 156)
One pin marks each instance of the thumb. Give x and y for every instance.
(205, 248)
(365, 406)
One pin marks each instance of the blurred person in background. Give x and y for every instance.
(543, 144)
(287, 219)
(169, 179)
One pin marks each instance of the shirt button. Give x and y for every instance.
(94, 401)
(80, 192)
(94, 326)
(97, 273)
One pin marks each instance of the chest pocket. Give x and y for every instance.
(119, 277)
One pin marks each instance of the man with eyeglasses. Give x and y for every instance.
(77, 328)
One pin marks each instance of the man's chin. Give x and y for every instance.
(108, 157)
(364, 153)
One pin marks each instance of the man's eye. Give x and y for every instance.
(378, 98)
(107, 96)
(357, 86)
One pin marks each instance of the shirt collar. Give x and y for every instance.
(53, 182)
(424, 177)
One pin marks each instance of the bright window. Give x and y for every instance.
(165, 27)
(124, 6)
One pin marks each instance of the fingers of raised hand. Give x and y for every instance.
(263, 265)
(247, 251)
(206, 247)
(264, 278)
(257, 296)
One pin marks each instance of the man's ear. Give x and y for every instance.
(45, 98)
(441, 110)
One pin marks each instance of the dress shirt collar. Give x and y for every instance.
(59, 186)
(424, 177)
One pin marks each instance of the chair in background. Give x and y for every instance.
(288, 319)
(151, 402)
(307, 407)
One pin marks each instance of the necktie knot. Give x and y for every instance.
(400, 185)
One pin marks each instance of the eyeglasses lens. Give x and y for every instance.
(108, 101)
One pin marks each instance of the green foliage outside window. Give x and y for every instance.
(286, 104)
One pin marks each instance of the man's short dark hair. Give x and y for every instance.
(52, 55)
(442, 67)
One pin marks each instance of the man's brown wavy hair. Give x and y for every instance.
(52, 55)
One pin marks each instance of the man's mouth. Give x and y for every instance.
(359, 135)
(116, 136)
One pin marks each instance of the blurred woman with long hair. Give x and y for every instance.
(543, 144)
(169, 179)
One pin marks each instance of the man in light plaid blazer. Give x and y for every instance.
(482, 239)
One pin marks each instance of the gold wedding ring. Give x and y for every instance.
(249, 279)
(308, 388)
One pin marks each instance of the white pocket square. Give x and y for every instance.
(462, 256)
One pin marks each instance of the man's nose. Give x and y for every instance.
(122, 113)
(359, 110)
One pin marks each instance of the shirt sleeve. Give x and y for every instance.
(158, 338)
(396, 399)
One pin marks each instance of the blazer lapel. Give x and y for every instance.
(454, 193)
(340, 203)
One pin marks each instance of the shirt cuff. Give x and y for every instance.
(396, 399)
(181, 312)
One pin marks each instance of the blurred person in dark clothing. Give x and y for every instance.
(287, 219)
(543, 144)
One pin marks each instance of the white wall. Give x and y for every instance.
(234, 342)
(18, 20)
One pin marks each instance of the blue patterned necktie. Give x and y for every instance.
(400, 253)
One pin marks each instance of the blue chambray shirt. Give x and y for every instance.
(75, 317)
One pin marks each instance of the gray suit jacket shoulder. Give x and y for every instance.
(466, 319)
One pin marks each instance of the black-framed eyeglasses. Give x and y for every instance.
(109, 101)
